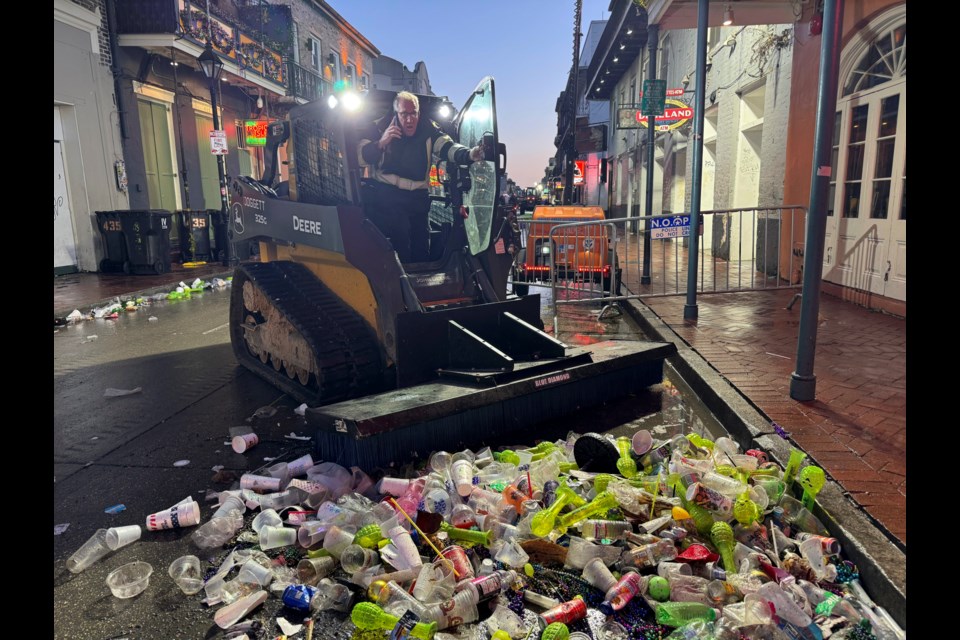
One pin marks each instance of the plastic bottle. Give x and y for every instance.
(390, 595)
(630, 584)
(649, 555)
(677, 614)
(789, 611)
(490, 586)
(605, 529)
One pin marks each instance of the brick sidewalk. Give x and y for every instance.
(856, 427)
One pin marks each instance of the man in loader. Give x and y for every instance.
(397, 149)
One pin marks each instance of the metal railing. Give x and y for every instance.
(303, 83)
(747, 249)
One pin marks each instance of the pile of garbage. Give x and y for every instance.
(586, 537)
(117, 306)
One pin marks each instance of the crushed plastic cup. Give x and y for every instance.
(129, 580)
(177, 516)
(228, 504)
(227, 616)
(338, 538)
(186, 573)
(274, 537)
(242, 443)
(311, 533)
(92, 550)
(122, 536)
(506, 620)
(217, 531)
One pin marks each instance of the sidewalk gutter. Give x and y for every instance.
(86, 308)
(882, 564)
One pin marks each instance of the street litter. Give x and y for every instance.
(294, 436)
(264, 412)
(89, 338)
(181, 463)
(117, 508)
(301, 410)
(60, 528)
(116, 393)
(74, 316)
(589, 536)
(153, 319)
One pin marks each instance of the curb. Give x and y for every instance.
(882, 564)
(90, 306)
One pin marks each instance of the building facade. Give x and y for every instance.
(89, 173)
(762, 75)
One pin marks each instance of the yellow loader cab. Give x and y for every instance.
(578, 253)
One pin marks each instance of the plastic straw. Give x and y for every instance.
(424, 537)
(529, 485)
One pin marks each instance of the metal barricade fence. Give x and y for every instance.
(746, 249)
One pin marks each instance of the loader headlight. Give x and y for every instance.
(351, 101)
(332, 102)
(444, 111)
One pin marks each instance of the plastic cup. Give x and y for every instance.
(460, 609)
(129, 580)
(280, 471)
(267, 517)
(506, 620)
(186, 573)
(337, 539)
(122, 536)
(580, 551)
(356, 558)
(598, 575)
(300, 466)
(228, 504)
(273, 537)
(180, 515)
(92, 550)
(393, 486)
(255, 573)
(311, 532)
(311, 570)
(243, 442)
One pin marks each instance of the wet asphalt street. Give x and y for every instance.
(169, 440)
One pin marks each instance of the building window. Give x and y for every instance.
(313, 46)
(351, 76)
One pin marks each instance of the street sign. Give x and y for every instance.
(674, 227)
(654, 95)
(218, 142)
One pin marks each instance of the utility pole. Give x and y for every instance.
(571, 147)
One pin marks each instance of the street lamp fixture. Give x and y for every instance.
(212, 66)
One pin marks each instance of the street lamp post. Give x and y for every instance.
(212, 67)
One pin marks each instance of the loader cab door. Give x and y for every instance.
(477, 118)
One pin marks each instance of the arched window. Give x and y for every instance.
(884, 60)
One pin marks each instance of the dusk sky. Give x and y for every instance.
(526, 45)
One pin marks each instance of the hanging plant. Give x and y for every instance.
(767, 44)
(221, 39)
(272, 68)
(250, 54)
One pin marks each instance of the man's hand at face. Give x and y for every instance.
(390, 134)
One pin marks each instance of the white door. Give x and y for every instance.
(64, 240)
(866, 242)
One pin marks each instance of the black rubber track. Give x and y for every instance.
(346, 350)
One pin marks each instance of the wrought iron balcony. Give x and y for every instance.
(303, 83)
(138, 20)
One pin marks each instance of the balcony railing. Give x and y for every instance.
(189, 20)
(303, 83)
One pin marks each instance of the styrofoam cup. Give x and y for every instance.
(300, 466)
(122, 536)
(181, 515)
(259, 483)
(244, 442)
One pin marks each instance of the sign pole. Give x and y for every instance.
(652, 42)
(690, 310)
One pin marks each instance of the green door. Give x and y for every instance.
(209, 177)
(158, 156)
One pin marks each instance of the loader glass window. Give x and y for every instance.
(478, 118)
